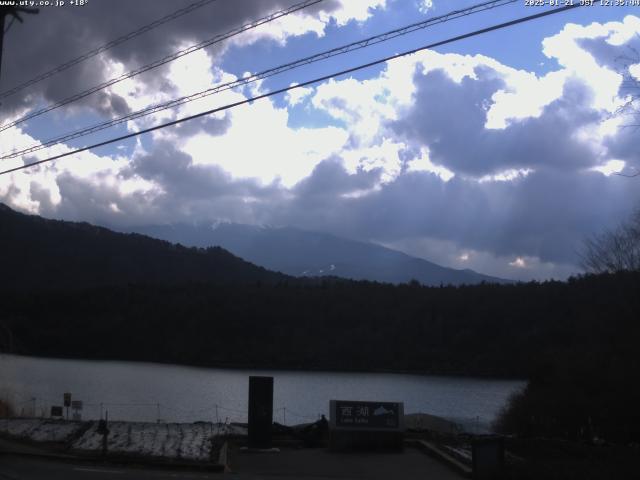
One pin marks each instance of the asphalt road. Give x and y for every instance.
(320, 464)
(17, 467)
(307, 464)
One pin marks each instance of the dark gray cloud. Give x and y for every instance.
(547, 214)
(449, 118)
(625, 145)
(84, 200)
(208, 124)
(329, 178)
(181, 179)
(184, 191)
(612, 56)
(58, 35)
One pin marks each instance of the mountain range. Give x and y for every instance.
(43, 253)
(303, 253)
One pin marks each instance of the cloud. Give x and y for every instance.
(330, 179)
(259, 144)
(450, 119)
(519, 262)
(483, 261)
(570, 49)
(298, 95)
(77, 30)
(350, 10)
(544, 215)
(425, 5)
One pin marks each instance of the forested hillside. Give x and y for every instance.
(497, 330)
(52, 254)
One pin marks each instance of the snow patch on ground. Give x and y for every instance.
(462, 453)
(188, 441)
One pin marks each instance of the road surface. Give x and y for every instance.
(19, 467)
(302, 464)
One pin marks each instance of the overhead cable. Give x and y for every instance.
(106, 46)
(367, 42)
(162, 61)
(300, 85)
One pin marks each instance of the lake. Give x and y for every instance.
(149, 392)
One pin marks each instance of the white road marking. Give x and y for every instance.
(175, 475)
(96, 470)
(159, 474)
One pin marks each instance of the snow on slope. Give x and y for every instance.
(188, 441)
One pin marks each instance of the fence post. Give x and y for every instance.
(6, 413)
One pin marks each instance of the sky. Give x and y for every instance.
(497, 153)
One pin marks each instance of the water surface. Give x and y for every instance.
(148, 392)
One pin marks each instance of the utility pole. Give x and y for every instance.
(12, 11)
(2, 15)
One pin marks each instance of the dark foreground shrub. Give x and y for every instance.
(6, 410)
(593, 400)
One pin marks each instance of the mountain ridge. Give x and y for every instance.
(299, 252)
(46, 253)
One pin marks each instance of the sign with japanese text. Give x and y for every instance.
(367, 415)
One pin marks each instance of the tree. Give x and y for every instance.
(615, 250)
(630, 70)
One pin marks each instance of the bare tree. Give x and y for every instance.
(619, 249)
(615, 250)
(6, 338)
(630, 70)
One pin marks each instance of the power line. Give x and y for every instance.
(367, 42)
(107, 46)
(300, 85)
(163, 61)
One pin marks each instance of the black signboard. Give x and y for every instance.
(260, 411)
(488, 457)
(367, 415)
(56, 411)
(67, 399)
